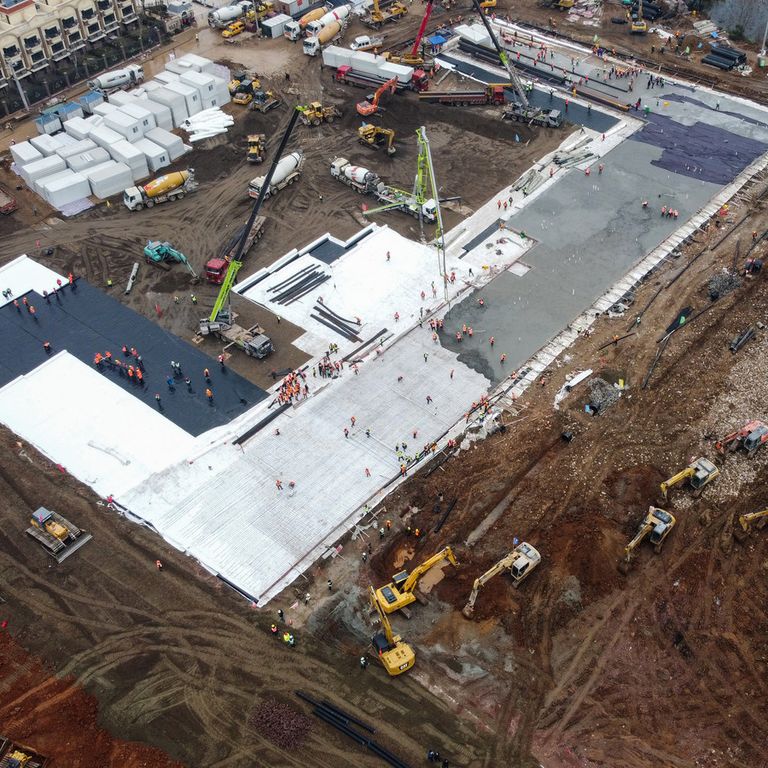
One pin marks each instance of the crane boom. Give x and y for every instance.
(422, 29)
(517, 83)
(236, 263)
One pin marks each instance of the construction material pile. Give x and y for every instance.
(723, 283)
(206, 124)
(279, 722)
(602, 395)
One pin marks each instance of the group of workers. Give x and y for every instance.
(293, 386)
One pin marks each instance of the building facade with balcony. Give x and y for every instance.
(35, 34)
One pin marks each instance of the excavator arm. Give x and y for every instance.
(745, 521)
(504, 564)
(642, 532)
(367, 108)
(444, 554)
(385, 625)
(684, 474)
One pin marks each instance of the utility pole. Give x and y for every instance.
(23, 95)
(765, 35)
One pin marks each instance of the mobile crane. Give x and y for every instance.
(400, 591)
(750, 437)
(374, 136)
(415, 57)
(221, 321)
(520, 562)
(371, 105)
(699, 474)
(658, 523)
(394, 653)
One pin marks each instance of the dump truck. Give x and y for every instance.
(314, 44)
(360, 179)
(8, 204)
(118, 79)
(171, 186)
(287, 171)
(545, 118)
(492, 94)
(59, 536)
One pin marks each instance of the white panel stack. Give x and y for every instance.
(65, 188)
(131, 156)
(105, 109)
(175, 102)
(45, 144)
(171, 143)
(118, 98)
(75, 148)
(162, 114)
(190, 94)
(157, 157)
(86, 160)
(105, 137)
(24, 153)
(199, 63)
(125, 125)
(37, 169)
(167, 77)
(146, 119)
(110, 179)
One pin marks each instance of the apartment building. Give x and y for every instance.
(34, 34)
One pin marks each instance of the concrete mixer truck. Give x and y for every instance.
(339, 14)
(171, 186)
(222, 17)
(360, 179)
(314, 44)
(286, 172)
(113, 81)
(294, 30)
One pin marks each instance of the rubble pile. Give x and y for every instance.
(279, 722)
(602, 395)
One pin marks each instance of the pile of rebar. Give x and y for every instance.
(280, 723)
(299, 284)
(346, 328)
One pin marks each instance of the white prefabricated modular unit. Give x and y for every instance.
(105, 137)
(105, 108)
(65, 188)
(37, 169)
(133, 157)
(24, 153)
(167, 77)
(199, 63)
(110, 179)
(89, 159)
(45, 144)
(146, 119)
(157, 157)
(118, 98)
(274, 26)
(75, 148)
(175, 102)
(163, 116)
(170, 142)
(127, 126)
(191, 96)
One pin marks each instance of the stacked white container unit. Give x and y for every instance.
(119, 98)
(127, 126)
(65, 188)
(39, 169)
(191, 96)
(167, 77)
(205, 85)
(78, 127)
(105, 109)
(45, 144)
(77, 147)
(89, 159)
(133, 157)
(110, 179)
(170, 142)
(24, 153)
(163, 116)
(146, 119)
(175, 102)
(105, 137)
(199, 63)
(157, 157)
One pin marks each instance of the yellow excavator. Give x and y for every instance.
(658, 523)
(373, 136)
(315, 113)
(638, 26)
(400, 591)
(745, 521)
(700, 473)
(393, 652)
(519, 562)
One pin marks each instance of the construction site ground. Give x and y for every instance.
(581, 666)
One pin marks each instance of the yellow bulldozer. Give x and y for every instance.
(393, 652)
(58, 535)
(520, 563)
(699, 474)
(656, 525)
(399, 593)
(373, 136)
(256, 147)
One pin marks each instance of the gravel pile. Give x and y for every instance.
(722, 283)
(602, 395)
(279, 722)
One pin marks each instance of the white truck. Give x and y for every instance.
(287, 171)
(314, 44)
(222, 17)
(360, 179)
(367, 43)
(294, 30)
(337, 14)
(368, 183)
(118, 79)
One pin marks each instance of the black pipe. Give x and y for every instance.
(336, 329)
(349, 717)
(292, 277)
(310, 287)
(332, 319)
(374, 338)
(288, 292)
(336, 314)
